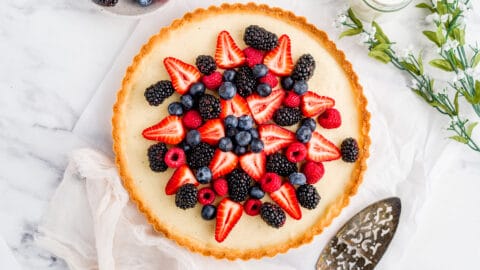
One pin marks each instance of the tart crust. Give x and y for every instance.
(332, 210)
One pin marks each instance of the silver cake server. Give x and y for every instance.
(363, 240)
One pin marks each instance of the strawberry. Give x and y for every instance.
(254, 164)
(228, 54)
(330, 118)
(279, 60)
(313, 104)
(263, 108)
(275, 138)
(212, 81)
(286, 198)
(253, 56)
(222, 163)
(212, 131)
(170, 130)
(236, 106)
(183, 175)
(320, 149)
(292, 100)
(182, 74)
(228, 214)
(269, 79)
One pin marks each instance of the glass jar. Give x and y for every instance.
(369, 10)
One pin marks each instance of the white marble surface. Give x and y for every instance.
(53, 57)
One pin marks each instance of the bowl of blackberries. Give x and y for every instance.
(130, 7)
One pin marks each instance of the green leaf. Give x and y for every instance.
(476, 59)
(380, 56)
(350, 32)
(459, 139)
(379, 34)
(354, 18)
(441, 64)
(441, 8)
(432, 36)
(420, 62)
(458, 62)
(470, 128)
(455, 102)
(440, 36)
(425, 5)
(410, 67)
(381, 47)
(459, 35)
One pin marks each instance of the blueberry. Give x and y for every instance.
(303, 134)
(256, 192)
(197, 89)
(227, 90)
(256, 146)
(264, 90)
(175, 108)
(209, 212)
(144, 3)
(243, 138)
(287, 83)
(185, 146)
(230, 121)
(231, 132)
(204, 175)
(193, 137)
(225, 144)
(300, 87)
(259, 70)
(187, 101)
(297, 178)
(245, 122)
(240, 150)
(310, 123)
(229, 75)
(254, 133)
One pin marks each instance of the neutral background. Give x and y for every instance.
(55, 54)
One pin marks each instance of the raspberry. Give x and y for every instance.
(253, 56)
(192, 119)
(269, 79)
(252, 207)
(175, 157)
(330, 118)
(206, 196)
(292, 100)
(220, 186)
(313, 171)
(212, 81)
(296, 152)
(270, 182)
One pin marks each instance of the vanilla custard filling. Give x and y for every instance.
(186, 44)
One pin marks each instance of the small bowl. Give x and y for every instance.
(130, 8)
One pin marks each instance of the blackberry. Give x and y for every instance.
(307, 196)
(156, 154)
(186, 196)
(304, 68)
(209, 107)
(206, 64)
(349, 149)
(109, 3)
(245, 81)
(259, 38)
(200, 155)
(157, 93)
(238, 185)
(280, 165)
(287, 116)
(273, 215)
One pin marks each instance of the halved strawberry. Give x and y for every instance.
(236, 106)
(182, 74)
(275, 138)
(183, 175)
(228, 214)
(212, 131)
(222, 163)
(254, 164)
(320, 149)
(314, 104)
(228, 54)
(263, 108)
(279, 60)
(170, 130)
(286, 198)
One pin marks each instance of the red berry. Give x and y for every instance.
(212, 81)
(330, 118)
(253, 56)
(252, 206)
(270, 182)
(206, 196)
(192, 119)
(313, 171)
(220, 186)
(296, 152)
(270, 79)
(175, 157)
(292, 100)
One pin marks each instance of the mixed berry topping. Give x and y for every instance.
(243, 134)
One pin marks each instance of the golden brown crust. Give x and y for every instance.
(332, 211)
